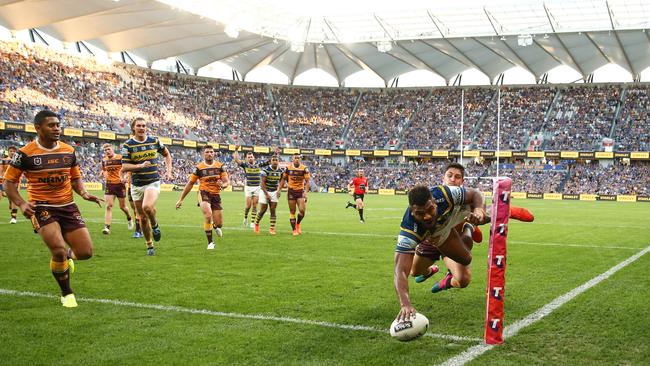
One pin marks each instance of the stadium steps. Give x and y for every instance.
(617, 114)
(277, 112)
(402, 128)
(549, 112)
(477, 127)
(344, 135)
(567, 176)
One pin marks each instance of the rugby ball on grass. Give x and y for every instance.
(411, 329)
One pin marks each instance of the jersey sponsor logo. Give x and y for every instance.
(54, 179)
(38, 161)
(146, 155)
(456, 194)
(404, 242)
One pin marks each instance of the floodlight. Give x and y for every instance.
(524, 40)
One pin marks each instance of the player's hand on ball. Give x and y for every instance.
(406, 312)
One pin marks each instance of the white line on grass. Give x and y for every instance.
(180, 309)
(512, 330)
(375, 235)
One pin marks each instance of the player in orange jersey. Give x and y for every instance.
(297, 177)
(113, 187)
(212, 178)
(4, 164)
(52, 173)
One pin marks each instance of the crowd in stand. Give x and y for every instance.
(632, 128)
(613, 179)
(582, 118)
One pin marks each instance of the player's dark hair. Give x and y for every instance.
(134, 122)
(458, 166)
(42, 115)
(419, 195)
(12, 147)
(208, 147)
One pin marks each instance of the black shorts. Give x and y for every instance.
(213, 199)
(295, 194)
(358, 196)
(68, 217)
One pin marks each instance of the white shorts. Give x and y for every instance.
(273, 195)
(137, 192)
(252, 191)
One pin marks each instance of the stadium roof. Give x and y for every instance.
(342, 38)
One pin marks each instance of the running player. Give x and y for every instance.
(212, 178)
(114, 187)
(4, 164)
(140, 157)
(52, 173)
(271, 176)
(359, 186)
(297, 175)
(427, 233)
(252, 190)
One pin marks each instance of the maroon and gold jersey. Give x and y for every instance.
(113, 169)
(209, 176)
(49, 172)
(4, 164)
(296, 177)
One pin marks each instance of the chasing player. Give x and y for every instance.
(427, 233)
(212, 178)
(297, 177)
(359, 186)
(140, 157)
(114, 187)
(271, 176)
(454, 175)
(4, 164)
(52, 173)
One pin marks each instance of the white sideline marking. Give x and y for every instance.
(512, 330)
(180, 309)
(570, 245)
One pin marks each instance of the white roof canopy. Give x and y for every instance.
(342, 38)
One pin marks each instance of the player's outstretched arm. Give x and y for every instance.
(168, 164)
(186, 190)
(11, 188)
(78, 186)
(477, 204)
(403, 263)
(128, 167)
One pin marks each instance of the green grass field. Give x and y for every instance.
(259, 300)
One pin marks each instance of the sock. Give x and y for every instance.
(71, 254)
(447, 284)
(246, 213)
(273, 218)
(361, 213)
(128, 217)
(149, 244)
(292, 221)
(61, 273)
(258, 218)
(208, 231)
(300, 217)
(154, 224)
(254, 212)
(137, 225)
(14, 212)
(107, 226)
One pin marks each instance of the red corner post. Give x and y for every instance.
(496, 283)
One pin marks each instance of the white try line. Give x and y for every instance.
(374, 235)
(180, 309)
(512, 330)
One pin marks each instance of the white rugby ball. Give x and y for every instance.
(411, 329)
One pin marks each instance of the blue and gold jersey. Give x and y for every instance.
(137, 152)
(273, 177)
(450, 202)
(253, 173)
